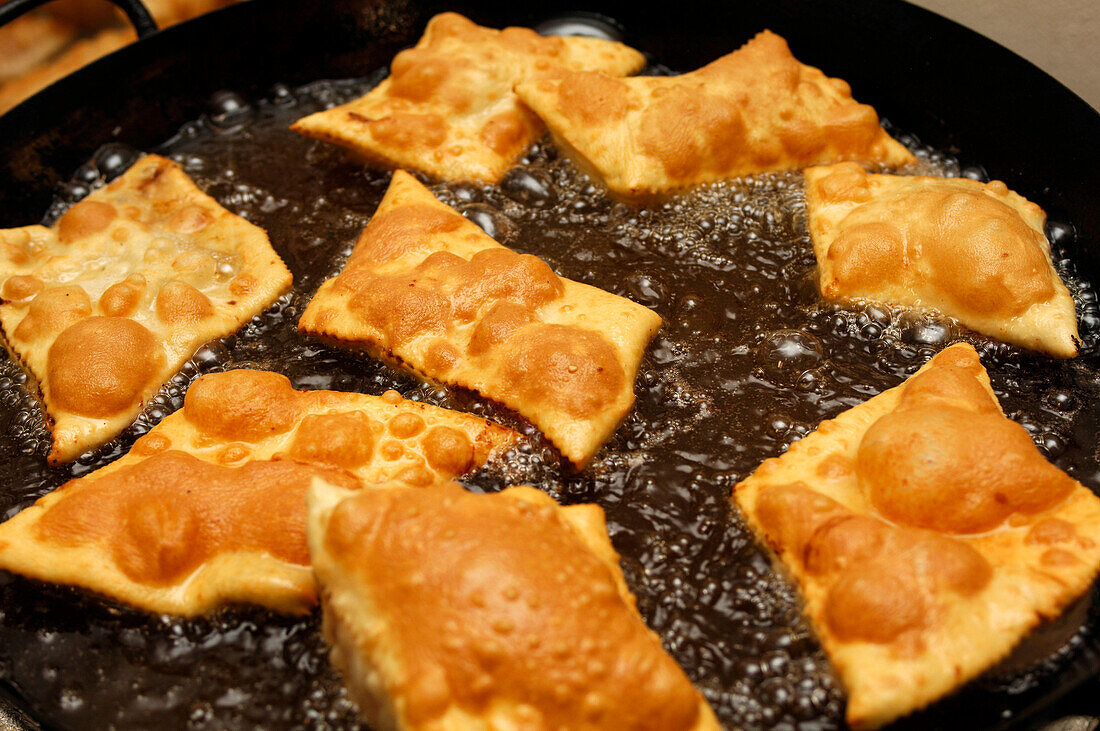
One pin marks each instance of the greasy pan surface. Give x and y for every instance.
(71, 658)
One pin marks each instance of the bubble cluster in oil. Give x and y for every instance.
(748, 361)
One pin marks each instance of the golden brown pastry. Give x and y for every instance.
(927, 533)
(448, 108)
(755, 110)
(431, 291)
(974, 251)
(452, 610)
(209, 507)
(108, 303)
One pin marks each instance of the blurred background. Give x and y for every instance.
(64, 35)
(1062, 37)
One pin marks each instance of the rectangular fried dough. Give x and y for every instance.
(107, 304)
(927, 533)
(752, 111)
(974, 251)
(464, 611)
(431, 291)
(448, 108)
(209, 507)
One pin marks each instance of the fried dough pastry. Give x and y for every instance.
(448, 108)
(755, 110)
(430, 291)
(974, 251)
(927, 533)
(209, 507)
(453, 610)
(108, 303)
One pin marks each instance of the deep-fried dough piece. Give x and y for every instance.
(755, 110)
(974, 251)
(927, 533)
(108, 303)
(430, 290)
(209, 507)
(448, 108)
(453, 610)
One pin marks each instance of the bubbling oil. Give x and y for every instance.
(748, 361)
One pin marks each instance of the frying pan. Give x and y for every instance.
(928, 76)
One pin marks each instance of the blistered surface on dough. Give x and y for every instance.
(209, 506)
(754, 110)
(448, 108)
(463, 611)
(431, 290)
(927, 533)
(974, 251)
(107, 304)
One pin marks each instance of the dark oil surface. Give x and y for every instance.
(748, 361)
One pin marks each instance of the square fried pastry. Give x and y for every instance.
(453, 610)
(974, 251)
(209, 507)
(448, 108)
(107, 304)
(429, 290)
(928, 535)
(752, 111)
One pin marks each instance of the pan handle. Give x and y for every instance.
(136, 11)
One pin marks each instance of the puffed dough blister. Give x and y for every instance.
(454, 610)
(430, 291)
(755, 110)
(208, 507)
(974, 251)
(448, 108)
(108, 303)
(927, 533)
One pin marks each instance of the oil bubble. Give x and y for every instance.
(785, 355)
(492, 222)
(923, 329)
(228, 110)
(114, 159)
(646, 289)
(527, 187)
(1060, 234)
(87, 174)
(591, 25)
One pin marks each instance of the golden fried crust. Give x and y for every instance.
(448, 108)
(927, 533)
(453, 610)
(755, 110)
(429, 289)
(175, 534)
(209, 507)
(107, 304)
(974, 251)
(243, 415)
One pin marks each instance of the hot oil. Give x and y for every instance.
(748, 361)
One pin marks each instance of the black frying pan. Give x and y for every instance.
(958, 91)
